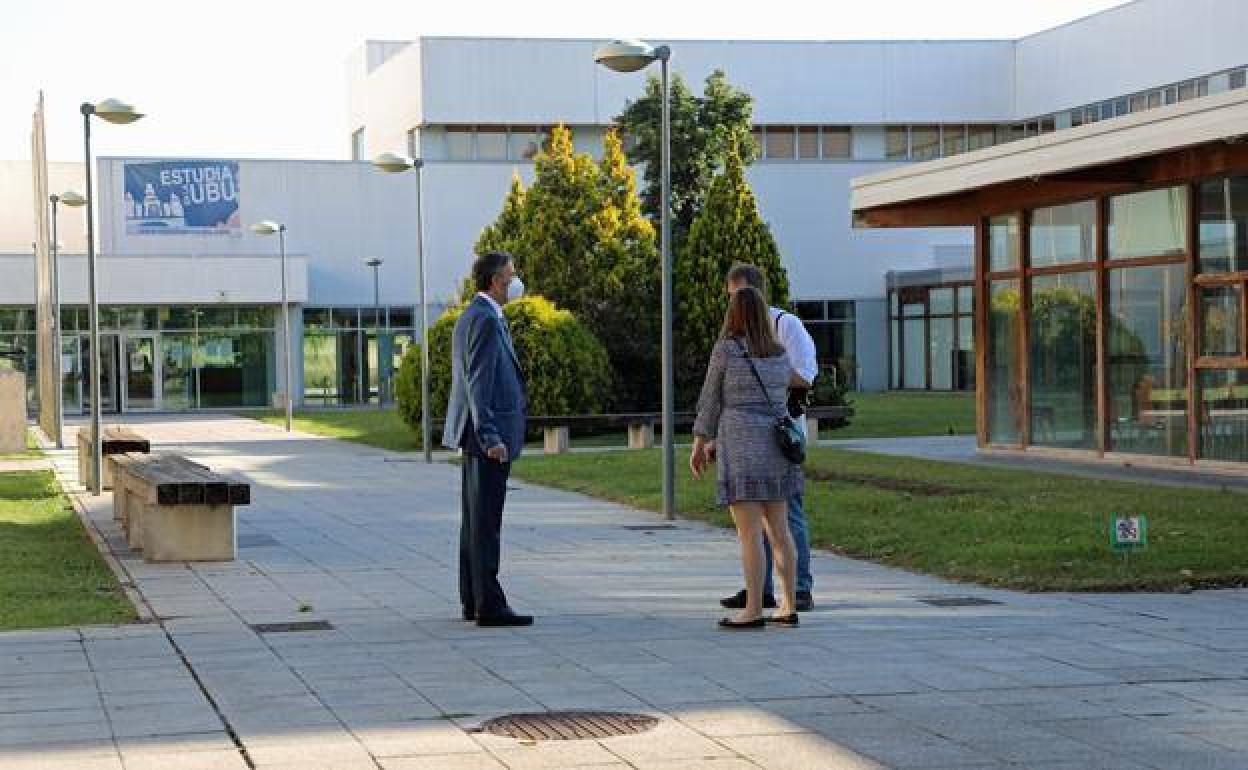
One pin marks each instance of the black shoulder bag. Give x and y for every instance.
(789, 436)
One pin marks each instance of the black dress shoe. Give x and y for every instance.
(805, 602)
(737, 601)
(504, 619)
(728, 624)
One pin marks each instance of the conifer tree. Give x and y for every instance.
(727, 230)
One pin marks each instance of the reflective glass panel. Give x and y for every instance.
(1061, 235)
(1152, 223)
(1062, 360)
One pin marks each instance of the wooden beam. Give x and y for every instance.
(1194, 325)
(1024, 332)
(1102, 336)
(982, 306)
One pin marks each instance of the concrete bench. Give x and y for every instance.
(114, 440)
(174, 509)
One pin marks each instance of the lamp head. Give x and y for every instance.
(116, 111)
(267, 227)
(628, 55)
(393, 163)
(72, 198)
(374, 261)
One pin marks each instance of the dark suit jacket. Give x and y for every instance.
(487, 388)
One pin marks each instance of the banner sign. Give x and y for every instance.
(181, 197)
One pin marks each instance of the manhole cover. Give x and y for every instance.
(256, 541)
(958, 601)
(569, 725)
(301, 625)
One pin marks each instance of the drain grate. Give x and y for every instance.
(648, 527)
(284, 628)
(569, 725)
(256, 541)
(958, 601)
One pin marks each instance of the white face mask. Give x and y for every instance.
(515, 289)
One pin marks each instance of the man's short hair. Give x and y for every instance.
(486, 266)
(748, 274)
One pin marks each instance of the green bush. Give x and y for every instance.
(565, 367)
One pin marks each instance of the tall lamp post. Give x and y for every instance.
(374, 263)
(397, 164)
(118, 112)
(269, 227)
(72, 199)
(632, 56)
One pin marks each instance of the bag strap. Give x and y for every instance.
(750, 360)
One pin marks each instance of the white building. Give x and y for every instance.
(475, 109)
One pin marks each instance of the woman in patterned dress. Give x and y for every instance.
(734, 427)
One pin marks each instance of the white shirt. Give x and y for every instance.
(497, 307)
(799, 346)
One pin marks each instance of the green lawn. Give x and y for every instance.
(1000, 527)
(50, 572)
(376, 427)
(898, 413)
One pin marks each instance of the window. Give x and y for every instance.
(808, 142)
(491, 143)
(1003, 243)
(459, 143)
(1005, 409)
(809, 311)
(924, 142)
(954, 139)
(780, 142)
(1237, 79)
(837, 142)
(1154, 99)
(896, 143)
(1220, 311)
(413, 143)
(835, 338)
(1147, 360)
(1011, 132)
(1224, 225)
(1187, 91)
(1061, 235)
(1139, 103)
(1062, 360)
(1223, 430)
(357, 144)
(525, 142)
(1148, 224)
(979, 137)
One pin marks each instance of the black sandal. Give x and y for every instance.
(792, 621)
(729, 624)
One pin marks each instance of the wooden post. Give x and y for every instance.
(1194, 321)
(982, 302)
(1102, 336)
(1024, 323)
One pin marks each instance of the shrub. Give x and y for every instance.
(565, 367)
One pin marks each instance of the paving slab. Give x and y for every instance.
(366, 541)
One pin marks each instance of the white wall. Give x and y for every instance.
(1139, 45)
(498, 80)
(337, 213)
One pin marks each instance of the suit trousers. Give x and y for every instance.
(484, 492)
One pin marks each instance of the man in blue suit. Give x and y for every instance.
(486, 419)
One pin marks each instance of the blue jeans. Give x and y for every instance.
(801, 543)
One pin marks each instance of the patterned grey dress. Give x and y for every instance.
(734, 413)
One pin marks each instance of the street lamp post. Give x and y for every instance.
(396, 164)
(68, 198)
(269, 227)
(631, 56)
(112, 111)
(374, 263)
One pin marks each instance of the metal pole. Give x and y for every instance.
(426, 416)
(56, 332)
(381, 390)
(669, 422)
(290, 403)
(93, 314)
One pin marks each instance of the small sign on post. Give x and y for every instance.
(1129, 533)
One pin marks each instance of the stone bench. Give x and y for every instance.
(114, 440)
(174, 509)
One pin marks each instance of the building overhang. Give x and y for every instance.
(163, 280)
(1201, 137)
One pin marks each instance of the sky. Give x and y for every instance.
(267, 78)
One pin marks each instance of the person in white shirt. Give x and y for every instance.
(799, 346)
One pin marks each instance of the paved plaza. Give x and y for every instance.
(366, 541)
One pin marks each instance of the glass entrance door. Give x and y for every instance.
(141, 382)
(109, 401)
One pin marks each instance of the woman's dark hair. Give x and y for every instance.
(486, 266)
(748, 317)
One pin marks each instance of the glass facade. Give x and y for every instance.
(833, 326)
(350, 354)
(1140, 295)
(932, 340)
(159, 358)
